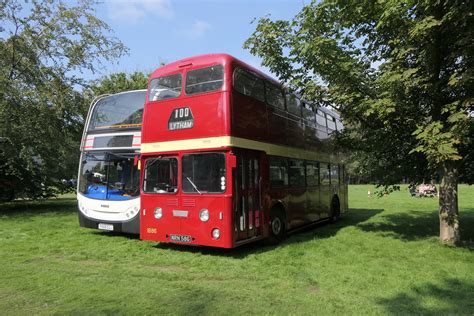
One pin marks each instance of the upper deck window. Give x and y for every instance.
(339, 125)
(249, 84)
(293, 104)
(275, 96)
(321, 126)
(165, 87)
(308, 113)
(331, 123)
(205, 79)
(321, 119)
(123, 110)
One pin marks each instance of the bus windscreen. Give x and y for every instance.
(109, 176)
(123, 110)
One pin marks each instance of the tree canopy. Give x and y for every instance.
(118, 82)
(401, 74)
(44, 45)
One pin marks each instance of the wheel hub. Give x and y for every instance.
(276, 226)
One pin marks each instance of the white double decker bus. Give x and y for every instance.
(108, 190)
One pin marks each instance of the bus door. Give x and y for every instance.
(247, 201)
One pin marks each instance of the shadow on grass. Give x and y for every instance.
(316, 231)
(451, 297)
(27, 208)
(413, 225)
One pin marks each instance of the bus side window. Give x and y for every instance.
(321, 128)
(293, 104)
(339, 125)
(312, 173)
(249, 84)
(331, 123)
(278, 172)
(334, 174)
(341, 174)
(325, 174)
(308, 114)
(274, 96)
(297, 173)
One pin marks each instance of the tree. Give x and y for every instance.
(114, 83)
(401, 74)
(118, 82)
(44, 44)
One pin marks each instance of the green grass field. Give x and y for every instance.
(382, 258)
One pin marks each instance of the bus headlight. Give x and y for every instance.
(204, 215)
(158, 213)
(216, 233)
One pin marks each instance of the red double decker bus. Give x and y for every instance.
(229, 157)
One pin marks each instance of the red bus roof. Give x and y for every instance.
(200, 61)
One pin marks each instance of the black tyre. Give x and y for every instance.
(335, 209)
(277, 226)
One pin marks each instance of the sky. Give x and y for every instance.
(167, 30)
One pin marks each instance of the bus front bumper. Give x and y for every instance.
(129, 227)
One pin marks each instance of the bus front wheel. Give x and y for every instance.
(277, 226)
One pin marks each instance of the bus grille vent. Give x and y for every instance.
(172, 202)
(189, 202)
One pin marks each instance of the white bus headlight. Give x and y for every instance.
(158, 213)
(204, 215)
(216, 233)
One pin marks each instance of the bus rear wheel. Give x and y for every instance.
(277, 226)
(335, 209)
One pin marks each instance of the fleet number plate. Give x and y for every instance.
(106, 226)
(180, 238)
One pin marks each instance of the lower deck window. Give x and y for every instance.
(334, 174)
(109, 176)
(297, 173)
(312, 173)
(204, 173)
(161, 175)
(278, 172)
(325, 174)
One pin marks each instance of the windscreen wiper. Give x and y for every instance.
(195, 187)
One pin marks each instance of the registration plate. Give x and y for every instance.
(180, 238)
(106, 226)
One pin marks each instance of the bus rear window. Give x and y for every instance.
(204, 80)
(165, 87)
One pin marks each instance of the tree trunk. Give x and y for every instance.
(448, 205)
